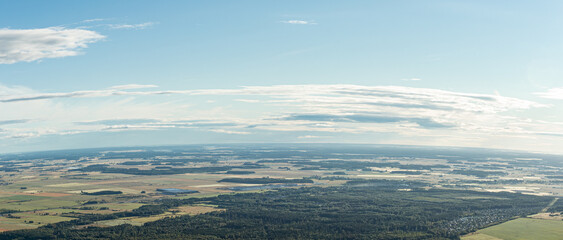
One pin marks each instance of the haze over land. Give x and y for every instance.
(437, 73)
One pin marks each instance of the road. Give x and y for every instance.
(549, 205)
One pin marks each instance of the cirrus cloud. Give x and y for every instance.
(299, 22)
(131, 26)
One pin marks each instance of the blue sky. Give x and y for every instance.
(77, 74)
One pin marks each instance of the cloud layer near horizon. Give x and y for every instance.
(553, 93)
(306, 111)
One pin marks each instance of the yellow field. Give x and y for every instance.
(42, 199)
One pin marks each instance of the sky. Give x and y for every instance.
(82, 74)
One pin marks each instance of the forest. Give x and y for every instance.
(358, 211)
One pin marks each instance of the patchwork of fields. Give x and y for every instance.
(38, 189)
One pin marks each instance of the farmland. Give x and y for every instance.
(521, 228)
(39, 189)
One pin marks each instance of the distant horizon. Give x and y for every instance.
(274, 144)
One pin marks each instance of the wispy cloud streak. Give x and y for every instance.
(299, 22)
(131, 26)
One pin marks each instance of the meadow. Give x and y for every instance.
(521, 228)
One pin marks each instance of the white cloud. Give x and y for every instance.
(133, 86)
(308, 137)
(366, 97)
(554, 93)
(228, 131)
(24, 135)
(299, 22)
(131, 26)
(301, 110)
(27, 45)
(112, 91)
(350, 97)
(94, 20)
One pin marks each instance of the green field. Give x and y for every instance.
(520, 229)
(29, 220)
